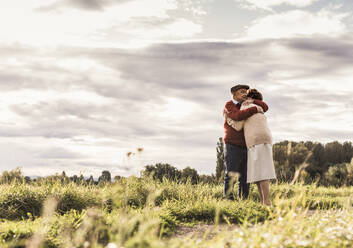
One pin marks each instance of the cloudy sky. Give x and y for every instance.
(84, 82)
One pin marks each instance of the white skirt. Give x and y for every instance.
(260, 163)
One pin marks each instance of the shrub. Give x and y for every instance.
(20, 201)
(336, 175)
(72, 199)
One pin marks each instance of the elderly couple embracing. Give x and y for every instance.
(248, 144)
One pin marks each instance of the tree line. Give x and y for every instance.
(159, 171)
(307, 162)
(328, 164)
(16, 175)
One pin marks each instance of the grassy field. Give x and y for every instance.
(138, 212)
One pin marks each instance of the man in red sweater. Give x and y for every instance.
(235, 147)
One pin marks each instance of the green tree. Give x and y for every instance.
(190, 174)
(281, 151)
(160, 171)
(290, 156)
(317, 167)
(299, 159)
(64, 179)
(220, 167)
(297, 154)
(117, 178)
(347, 152)
(208, 179)
(74, 178)
(334, 153)
(14, 175)
(105, 177)
(336, 175)
(81, 179)
(309, 145)
(27, 179)
(90, 180)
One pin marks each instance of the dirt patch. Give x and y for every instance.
(204, 231)
(209, 231)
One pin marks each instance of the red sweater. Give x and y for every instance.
(232, 136)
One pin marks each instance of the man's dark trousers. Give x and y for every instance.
(236, 158)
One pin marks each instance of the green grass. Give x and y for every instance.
(19, 201)
(138, 212)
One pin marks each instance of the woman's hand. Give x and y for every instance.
(248, 102)
(259, 109)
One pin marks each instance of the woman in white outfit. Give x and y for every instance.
(258, 140)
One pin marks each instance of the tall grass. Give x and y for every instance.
(140, 212)
(19, 200)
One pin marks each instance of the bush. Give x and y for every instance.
(72, 199)
(336, 175)
(132, 192)
(20, 201)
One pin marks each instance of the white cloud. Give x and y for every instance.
(193, 6)
(267, 4)
(15, 155)
(297, 23)
(176, 110)
(115, 26)
(178, 28)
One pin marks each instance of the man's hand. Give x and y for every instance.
(259, 109)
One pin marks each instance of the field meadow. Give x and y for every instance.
(141, 212)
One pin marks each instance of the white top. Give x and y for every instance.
(256, 130)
